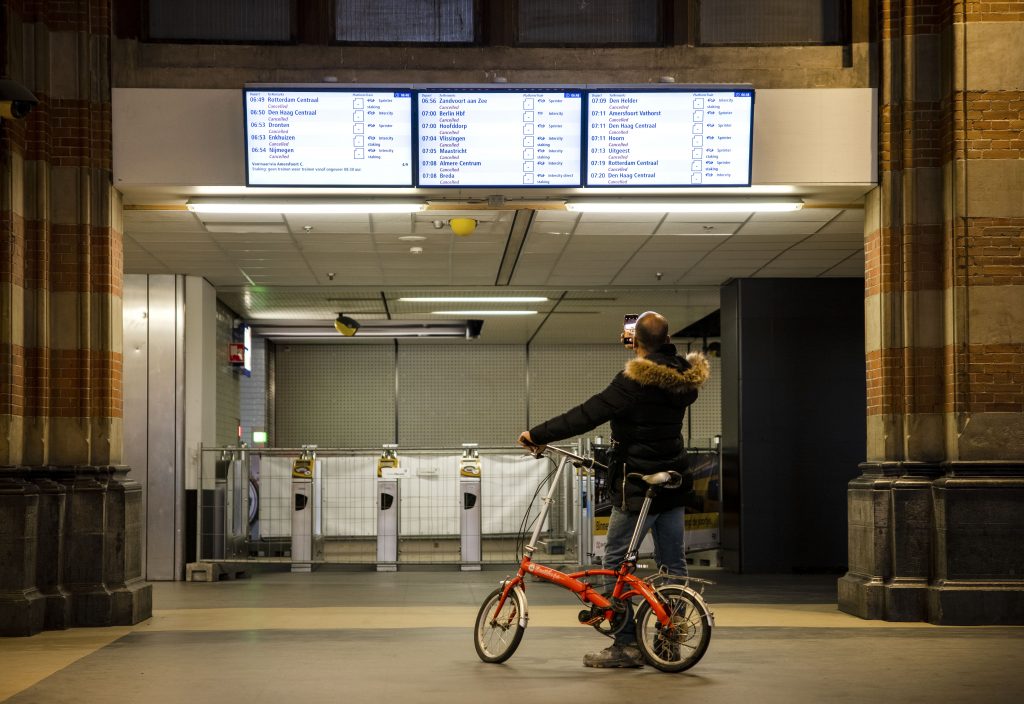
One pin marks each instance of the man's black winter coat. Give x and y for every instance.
(645, 403)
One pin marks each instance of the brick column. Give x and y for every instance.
(60, 328)
(936, 519)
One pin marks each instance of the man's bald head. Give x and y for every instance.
(651, 331)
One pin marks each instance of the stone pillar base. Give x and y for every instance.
(22, 614)
(132, 604)
(946, 550)
(874, 599)
(102, 606)
(946, 604)
(58, 610)
(22, 607)
(862, 596)
(976, 604)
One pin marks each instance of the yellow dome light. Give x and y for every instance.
(463, 227)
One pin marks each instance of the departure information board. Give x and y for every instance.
(296, 137)
(518, 137)
(669, 137)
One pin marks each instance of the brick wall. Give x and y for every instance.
(935, 241)
(61, 252)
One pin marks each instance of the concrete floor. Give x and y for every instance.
(360, 636)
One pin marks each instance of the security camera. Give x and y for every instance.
(345, 325)
(16, 101)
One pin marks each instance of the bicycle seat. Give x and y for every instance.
(669, 479)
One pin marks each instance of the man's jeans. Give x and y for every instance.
(666, 529)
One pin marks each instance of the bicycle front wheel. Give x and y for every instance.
(498, 631)
(680, 645)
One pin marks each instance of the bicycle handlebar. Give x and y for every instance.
(585, 462)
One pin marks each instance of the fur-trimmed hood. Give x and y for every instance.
(665, 371)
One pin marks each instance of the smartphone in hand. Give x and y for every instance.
(628, 328)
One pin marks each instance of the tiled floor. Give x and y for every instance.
(360, 636)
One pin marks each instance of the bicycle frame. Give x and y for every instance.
(627, 585)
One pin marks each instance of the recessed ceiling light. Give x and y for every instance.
(474, 299)
(482, 313)
(310, 207)
(227, 228)
(683, 206)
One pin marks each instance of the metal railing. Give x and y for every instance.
(246, 505)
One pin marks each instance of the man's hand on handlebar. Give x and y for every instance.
(526, 441)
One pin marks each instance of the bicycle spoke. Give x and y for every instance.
(681, 641)
(498, 630)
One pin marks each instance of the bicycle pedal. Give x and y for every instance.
(589, 618)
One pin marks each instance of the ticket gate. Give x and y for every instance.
(388, 509)
(470, 524)
(307, 538)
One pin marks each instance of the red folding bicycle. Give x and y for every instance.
(673, 622)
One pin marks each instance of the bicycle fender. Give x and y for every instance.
(524, 617)
(700, 600)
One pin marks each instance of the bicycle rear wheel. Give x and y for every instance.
(497, 633)
(683, 645)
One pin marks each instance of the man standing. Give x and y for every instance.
(645, 404)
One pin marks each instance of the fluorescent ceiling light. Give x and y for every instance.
(706, 206)
(300, 207)
(475, 299)
(484, 312)
(252, 228)
(374, 328)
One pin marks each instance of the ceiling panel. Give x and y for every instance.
(248, 228)
(599, 218)
(779, 228)
(615, 228)
(705, 227)
(814, 254)
(853, 227)
(683, 243)
(649, 277)
(533, 269)
(342, 222)
(789, 272)
(240, 247)
(702, 278)
(608, 260)
(742, 241)
(802, 215)
(851, 215)
(544, 243)
(239, 218)
(816, 243)
(739, 258)
(555, 216)
(605, 244)
(172, 238)
(161, 222)
(708, 217)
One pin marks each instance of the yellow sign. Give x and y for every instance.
(694, 521)
(389, 463)
(701, 521)
(302, 468)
